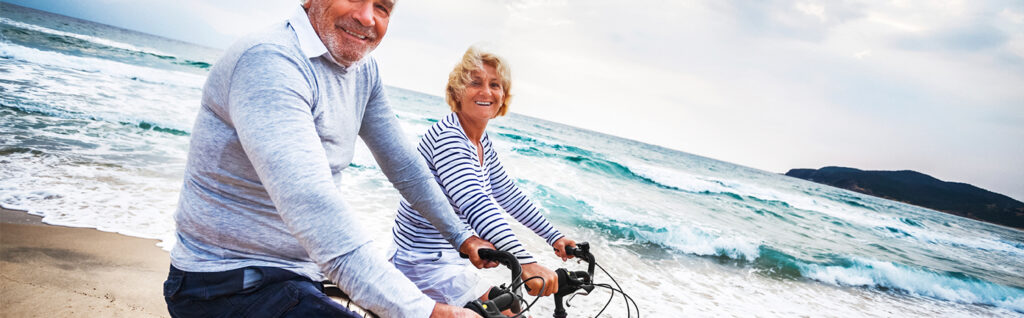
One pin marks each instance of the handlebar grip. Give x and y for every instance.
(502, 257)
(565, 284)
(486, 309)
(490, 254)
(570, 281)
(570, 250)
(582, 249)
(504, 301)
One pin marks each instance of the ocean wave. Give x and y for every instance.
(976, 241)
(856, 272)
(135, 201)
(835, 269)
(868, 273)
(692, 183)
(682, 181)
(843, 206)
(887, 275)
(66, 86)
(139, 123)
(101, 66)
(572, 151)
(690, 239)
(93, 39)
(693, 240)
(145, 125)
(678, 180)
(582, 158)
(89, 45)
(845, 210)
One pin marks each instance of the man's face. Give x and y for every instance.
(350, 28)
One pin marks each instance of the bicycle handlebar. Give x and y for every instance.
(509, 298)
(501, 301)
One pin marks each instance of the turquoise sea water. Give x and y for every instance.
(94, 128)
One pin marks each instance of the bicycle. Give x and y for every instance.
(569, 283)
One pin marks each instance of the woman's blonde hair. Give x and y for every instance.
(474, 60)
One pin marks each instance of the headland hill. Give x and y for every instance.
(922, 190)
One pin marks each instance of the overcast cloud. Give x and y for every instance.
(932, 86)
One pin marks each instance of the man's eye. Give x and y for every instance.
(382, 10)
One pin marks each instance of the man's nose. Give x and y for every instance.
(364, 14)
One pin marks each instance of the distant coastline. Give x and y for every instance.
(919, 189)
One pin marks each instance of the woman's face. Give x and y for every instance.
(483, 95)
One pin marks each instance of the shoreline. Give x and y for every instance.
(48, 270)
(9, 216)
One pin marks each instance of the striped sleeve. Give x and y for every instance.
(512, 199)
(465, 183)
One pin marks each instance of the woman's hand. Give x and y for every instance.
(533, 285)
(470, 247)
(560, 245)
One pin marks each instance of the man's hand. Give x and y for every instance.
(560, 245)
(533, 285)
(470, 247)
(443, 310)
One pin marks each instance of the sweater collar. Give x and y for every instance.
(309, 42)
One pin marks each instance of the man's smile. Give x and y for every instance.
(356, 35)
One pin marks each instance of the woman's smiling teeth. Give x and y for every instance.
(483, 103)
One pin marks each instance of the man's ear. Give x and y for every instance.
(306, 4)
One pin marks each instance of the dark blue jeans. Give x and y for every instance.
(280, 293)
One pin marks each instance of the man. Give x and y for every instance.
(260, 219)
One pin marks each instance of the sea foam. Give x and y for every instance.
(872, 273)
(93, 39)
(101, 66)
(90, 88)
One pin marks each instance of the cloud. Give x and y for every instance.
(1012, 16)
(968, 38)
(794, 19)
(236, 18)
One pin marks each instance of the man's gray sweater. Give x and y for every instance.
(277, 126)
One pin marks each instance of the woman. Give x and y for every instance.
(464, 163)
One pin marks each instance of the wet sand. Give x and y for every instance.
(54, 271)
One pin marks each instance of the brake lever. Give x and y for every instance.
(582, 292)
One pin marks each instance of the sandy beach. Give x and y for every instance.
(54, 271)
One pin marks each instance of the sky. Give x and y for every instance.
(931, 86)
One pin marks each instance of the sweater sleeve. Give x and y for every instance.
(464, 182)
(514, 201)
(405, 168)
(270, 109)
